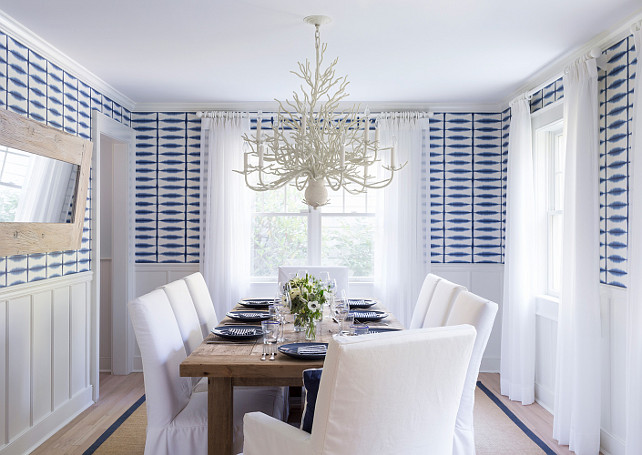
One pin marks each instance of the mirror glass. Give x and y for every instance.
(35, 188)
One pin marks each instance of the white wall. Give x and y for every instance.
(44, 355)
(612, 356)
(147, 278)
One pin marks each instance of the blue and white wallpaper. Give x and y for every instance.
(167, 186)
(464, 167)
(467, 187)
(615, 85)
(36, 88)
(616, 109)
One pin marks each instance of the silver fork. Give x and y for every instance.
(264, 352)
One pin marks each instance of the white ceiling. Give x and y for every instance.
(404, 51)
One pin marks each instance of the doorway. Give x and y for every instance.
(112, 255)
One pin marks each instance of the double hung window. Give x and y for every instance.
(287, 232)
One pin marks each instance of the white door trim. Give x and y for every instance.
(123, 265)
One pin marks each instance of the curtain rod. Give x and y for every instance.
(252, 114)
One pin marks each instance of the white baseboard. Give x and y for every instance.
(138, 364)
(31, 438)
(610, 444)
(489, 365)
(105, 365)
(545, 397)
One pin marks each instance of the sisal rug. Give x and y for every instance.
(497, 431)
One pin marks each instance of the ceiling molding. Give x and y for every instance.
(271, 106)
(35, 43)
(555, 69)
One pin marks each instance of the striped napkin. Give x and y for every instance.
(241, 331)
(313, 349)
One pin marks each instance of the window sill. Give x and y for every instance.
(547, 307)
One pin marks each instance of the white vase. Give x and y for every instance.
(316, 193)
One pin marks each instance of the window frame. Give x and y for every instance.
(315, 219)
(547, 127)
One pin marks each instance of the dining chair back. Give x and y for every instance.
(176, 419)
(395, 392)
(441, 302)
(423, 301)
(472, 309)
(176, 414)
(202, 300)
(185, 312)
(339, 273)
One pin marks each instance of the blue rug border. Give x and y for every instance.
(109, 431)
(542, 445)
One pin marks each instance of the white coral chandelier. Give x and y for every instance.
(313, 144)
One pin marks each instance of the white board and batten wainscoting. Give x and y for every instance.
(44, 358)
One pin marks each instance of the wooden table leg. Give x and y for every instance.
(220, 405)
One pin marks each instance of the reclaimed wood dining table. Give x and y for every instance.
(229, 364)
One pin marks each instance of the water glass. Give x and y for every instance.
(347, 320)
(270, 337)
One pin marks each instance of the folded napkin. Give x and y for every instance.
(357, 302)
(314, 349)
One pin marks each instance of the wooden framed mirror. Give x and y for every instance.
(44, 176)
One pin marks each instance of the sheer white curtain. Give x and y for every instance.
(225, 217)
(400, 265)
(634, 319)
(518, 312)
(577, 386)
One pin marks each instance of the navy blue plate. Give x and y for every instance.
(368, 315)
(298, 350)
(256, 303)
(248, 316)
(238, 332)
(381, 329)
(361, 303)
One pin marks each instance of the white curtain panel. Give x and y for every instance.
(224, 211)
(518, 312)
(400, 264)
(44, 195)
(634, 319)
(577, 386)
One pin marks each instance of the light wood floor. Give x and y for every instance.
(535, 417)
(118, 393)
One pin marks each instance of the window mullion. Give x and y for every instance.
(314, 236)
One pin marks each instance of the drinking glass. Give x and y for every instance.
(270, 337)
(347, 321)
(279, 314)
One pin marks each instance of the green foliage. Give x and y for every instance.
(8, 203)
(278, 240)
(307, 296)
(349, 242)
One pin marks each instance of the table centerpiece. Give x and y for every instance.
(307, 296)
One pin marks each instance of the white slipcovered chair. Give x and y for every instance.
(339, 273)
(176, 418)
(389, 393)
(185, 313)
(442, 299)
(202, 299)
(423, 301)
(469, 308)
(272, 400)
